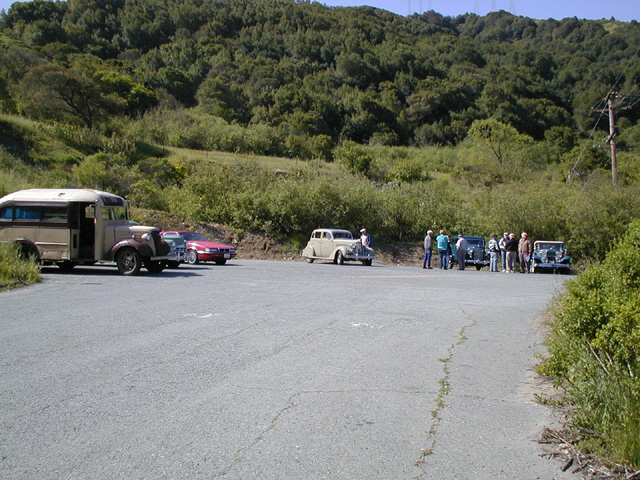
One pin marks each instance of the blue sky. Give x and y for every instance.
(625, 10)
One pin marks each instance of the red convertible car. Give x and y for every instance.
(201, 249)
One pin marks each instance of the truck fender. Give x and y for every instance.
(142, 248)
(28, 248)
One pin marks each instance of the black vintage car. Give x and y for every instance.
(476, 254)
(551, 256)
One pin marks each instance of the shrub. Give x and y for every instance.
(354, 157)
(595, 349)
(14, 269)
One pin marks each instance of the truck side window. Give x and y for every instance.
(27, 213)
(6, 213)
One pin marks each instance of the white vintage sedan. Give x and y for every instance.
(337, 246)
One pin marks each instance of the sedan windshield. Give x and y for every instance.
(346, 235)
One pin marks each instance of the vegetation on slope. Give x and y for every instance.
(595, 351)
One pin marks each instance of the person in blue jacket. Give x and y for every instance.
(443, 250)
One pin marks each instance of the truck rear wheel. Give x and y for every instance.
(129, 261)
(66, 266)
(155, 267)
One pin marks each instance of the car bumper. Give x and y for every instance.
(211, 257)
(476, 262)
(360, 257)
(551, 265)
(170, 258)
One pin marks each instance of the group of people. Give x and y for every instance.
(508, 250)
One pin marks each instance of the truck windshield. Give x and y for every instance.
(115, 213)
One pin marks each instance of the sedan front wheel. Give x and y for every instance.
(192, 257)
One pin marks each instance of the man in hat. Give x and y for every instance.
(524, 252)
(428, 250)
(494, 252)
(365, 238)
(503, 250)
(461, 245)
(512, 253)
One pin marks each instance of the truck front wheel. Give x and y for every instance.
(129, 261)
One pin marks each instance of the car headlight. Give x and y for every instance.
(211, 250)
(146, 237)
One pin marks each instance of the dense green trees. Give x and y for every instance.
(358, 74)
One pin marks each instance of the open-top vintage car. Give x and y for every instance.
(476, 254)
(337, 246)
(550, 255)
(178, 248)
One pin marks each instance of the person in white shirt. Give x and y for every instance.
(494, 253)
(365, 238)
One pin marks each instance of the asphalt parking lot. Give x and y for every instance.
(274, 370)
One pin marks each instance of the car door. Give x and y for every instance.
(326, 245)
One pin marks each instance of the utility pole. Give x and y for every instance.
(614, 100)
(611, 139)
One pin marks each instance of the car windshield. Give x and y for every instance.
(346, 235)
(192, 236)
(475, 242)
(173, 237)
(549, 246)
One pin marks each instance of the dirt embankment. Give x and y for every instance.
(260, 247)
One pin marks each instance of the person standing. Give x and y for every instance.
(503, 250)
(512, 252)
(461, 251)
(365, 238)
(494, 253)
(443, 245)
(524, 252)
(428, 250)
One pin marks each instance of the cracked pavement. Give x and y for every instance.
(274, 370)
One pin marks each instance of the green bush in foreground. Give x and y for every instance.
(15, 270)
(595, 351)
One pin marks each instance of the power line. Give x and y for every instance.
(609, 104)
